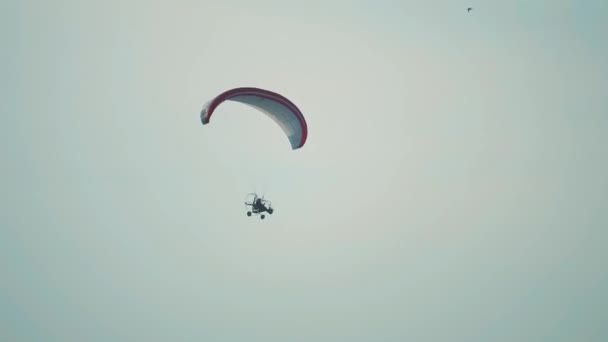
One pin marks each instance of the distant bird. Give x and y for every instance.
(469, 9)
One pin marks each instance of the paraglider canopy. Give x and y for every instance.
(284, 112)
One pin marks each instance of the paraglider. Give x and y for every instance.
(284, 112)
(276, 106)
(258, 205)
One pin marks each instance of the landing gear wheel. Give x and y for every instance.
(270, 211)
(249, 213)
(262, 217)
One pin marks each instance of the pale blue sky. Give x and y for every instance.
(453, 187)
